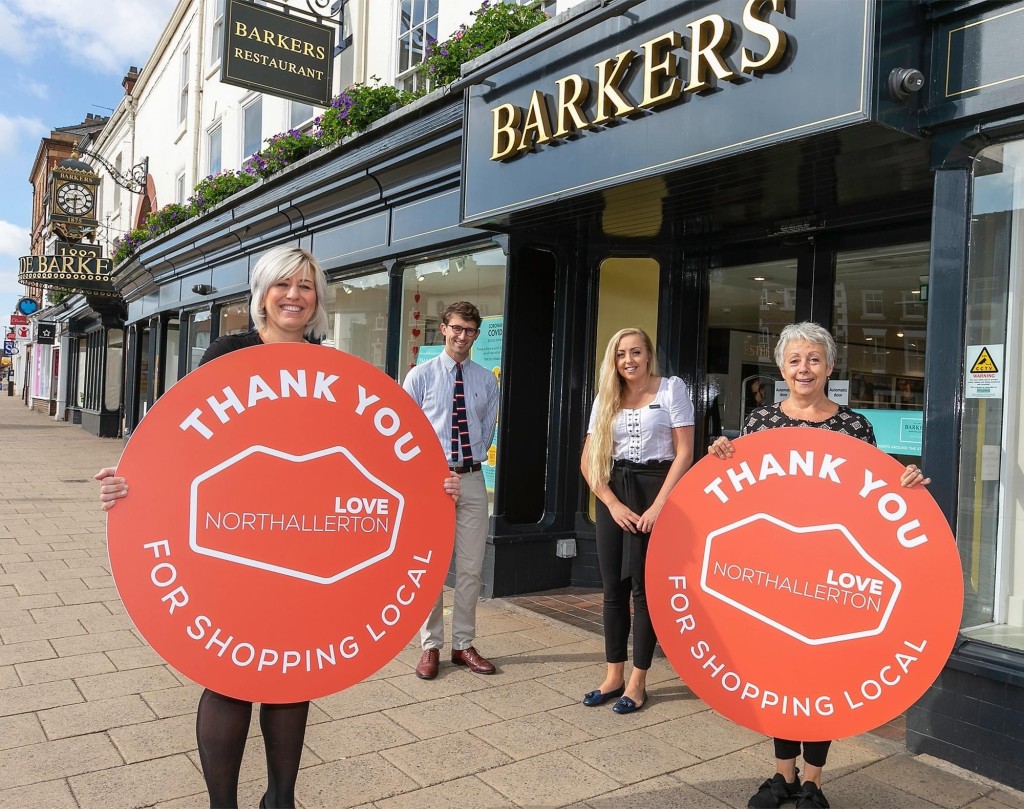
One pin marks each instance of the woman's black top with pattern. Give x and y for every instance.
(845, 421)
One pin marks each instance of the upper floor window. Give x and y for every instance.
(214, 145)
(252, 127)
(299, 113)
(183, 85)
(217, 32)
(179, 188)
(417, 25)
(117, 187)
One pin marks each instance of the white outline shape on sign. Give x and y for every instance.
(286, 456)
(794, 529)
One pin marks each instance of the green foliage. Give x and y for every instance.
(355, 108)
(282, 150)
(495, 23)
(217, 188)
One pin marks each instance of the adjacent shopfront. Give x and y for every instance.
(712, 172)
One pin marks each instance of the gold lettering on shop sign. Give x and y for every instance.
(777, 39)
(710, 35)
(537, 126)
(661, 64)
(507, 136)
(610, 73)
(573, 92)
(283, 41)
(514, 133)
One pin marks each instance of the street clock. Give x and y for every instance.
(72, 208)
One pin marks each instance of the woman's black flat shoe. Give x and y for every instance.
(626, 705)
(594, 698)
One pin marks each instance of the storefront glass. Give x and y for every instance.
(115, 360)
(198, 336)
(879, 322)
(990, 514)
(357, 316)
(748, 305)
(234, 317)
(428, 288)
(171, 348)
(41, 372)
(81, 372)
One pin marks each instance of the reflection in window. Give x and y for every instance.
(171, 348)
(748, 305)
(881, 344)
(428, 288)
(417, 27)
(198, 336)
(115, 359)
(357, 316)
(81, 372)
(234, 317)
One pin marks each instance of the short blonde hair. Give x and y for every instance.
(284, 262)
(808, 332)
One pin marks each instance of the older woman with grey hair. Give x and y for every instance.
(805, 355)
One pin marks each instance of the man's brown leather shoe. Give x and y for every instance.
(472, 658)
(427, 669)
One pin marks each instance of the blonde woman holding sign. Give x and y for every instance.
(805, 355)
(639, 444)
(288, 291)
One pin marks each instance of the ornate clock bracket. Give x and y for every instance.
(134, 181)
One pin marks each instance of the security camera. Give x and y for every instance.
(904, 82)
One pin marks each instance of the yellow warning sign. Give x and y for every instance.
(984, 364)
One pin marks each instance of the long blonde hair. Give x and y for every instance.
(608, 404)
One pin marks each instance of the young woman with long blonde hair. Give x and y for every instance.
(639, 444)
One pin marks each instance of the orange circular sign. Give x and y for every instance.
(286, 530)
(799, 590)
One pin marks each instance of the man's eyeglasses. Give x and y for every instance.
(457, 330)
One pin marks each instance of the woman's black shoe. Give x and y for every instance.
(774, 792)
(594, 698)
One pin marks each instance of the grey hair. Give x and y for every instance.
(808, 332)
(283, 262)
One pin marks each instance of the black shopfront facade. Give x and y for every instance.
(710, 171)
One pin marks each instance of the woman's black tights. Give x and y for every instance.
(222, 725)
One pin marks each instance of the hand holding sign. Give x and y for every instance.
(799, 589)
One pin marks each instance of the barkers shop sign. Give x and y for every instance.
(75, 267)
(276, 53)
(666, 86)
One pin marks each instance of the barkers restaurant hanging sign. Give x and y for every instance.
(668, 85)
(277, 53)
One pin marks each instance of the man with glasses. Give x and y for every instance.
(460, 398)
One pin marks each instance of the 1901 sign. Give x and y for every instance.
(277, 53)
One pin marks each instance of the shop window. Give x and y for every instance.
(145, 372)
(357, 314)
(428, 288)
(112, 378)
(233, 317)
(199, 327)
(41, 375)
(171, 349)
(748, 305)
(880, 360)
(990, 519)
(417, 25)
(81, 372)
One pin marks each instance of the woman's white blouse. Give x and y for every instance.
(645, 434)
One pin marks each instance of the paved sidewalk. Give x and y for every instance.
(90, 717)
